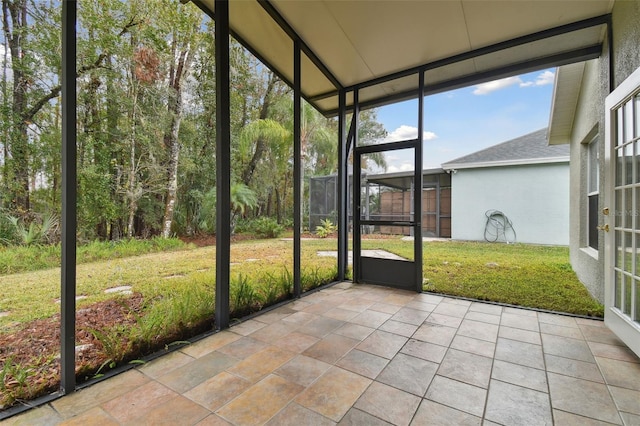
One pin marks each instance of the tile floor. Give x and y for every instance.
(366, 355)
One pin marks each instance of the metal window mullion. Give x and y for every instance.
(418, 183)
(297, 168)
(223, 165)
(69, 199)
(356, 189)
(343, 202)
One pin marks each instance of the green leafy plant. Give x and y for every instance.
(326, 228)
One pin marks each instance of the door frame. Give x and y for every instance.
(620, 323)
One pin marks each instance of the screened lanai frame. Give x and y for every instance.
(339, 101)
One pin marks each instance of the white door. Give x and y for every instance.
(622, 212)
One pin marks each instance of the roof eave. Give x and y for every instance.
(523, 162)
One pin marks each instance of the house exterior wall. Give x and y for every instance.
(534, 197)
(588, 122)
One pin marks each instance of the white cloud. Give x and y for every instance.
(547, 77)
(404, 167)
(492, 86)
(404, 133)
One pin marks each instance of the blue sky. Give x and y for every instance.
(466, 120)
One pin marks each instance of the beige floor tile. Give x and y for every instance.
(94, 417)
(565, 321)
(274, 331)
(429, 298)
(519, 353)
(457, 301)
(218, 390)
(515, 320)
(297, 415)
(452, 309)
(243, 347)
(303, 370)
(433, 414)
(138, 401)
(409, 374)
(478, 330)
(421, 306)
(261, 364)
(630, 419)
(621, 353)
(626, 399)
(300, 318)
(560, 330)
(373, 319)
(321, 327)
(190, 375)
(355, 417)
(178, 410)
(444, 320)
(482, 317)
(354, 331)
(514, 405)
(210, 344)
(567, 348)
(520, 335)
(400, 328)
(164, 364)
(458, 395)
(356, 305)
(583, 398)
(620, 373)
(333, 394)
(245, 328)
(474, 346)
(486, 308)
(521, 312)
(385, 308)
(520, 375)
(424, 350)
(382, 344)
(399, 299)
(466, 367)
(363, 363)
(331, 348)
(596, 333)
(260, 402)
(99, 393)
(340, 314)
(573, 368)
(434, 333)
(410, 316)
(275, 315)
(296, 342)
(44, 415)
(213, 420)
(562, 418)
(388, 403)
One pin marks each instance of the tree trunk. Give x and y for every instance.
(172, 142)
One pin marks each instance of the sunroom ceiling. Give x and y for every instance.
(359, 42)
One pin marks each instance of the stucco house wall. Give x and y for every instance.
(588, 122)
(534, 197)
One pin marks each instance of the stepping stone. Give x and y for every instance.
(123, 289)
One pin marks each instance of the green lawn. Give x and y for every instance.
(525, 275)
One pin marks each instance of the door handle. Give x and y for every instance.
(604, 227)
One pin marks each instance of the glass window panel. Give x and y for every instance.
(619, 212)
(627, 207)
(636, 160)
(628, 252)
(593, 166)
(636, 300)
(626, 304)
(628, 121)
(637, 116)
(619, 249)
(619, 127)
(619, 283)
(619, 166)
(636, 256)
(628, 164)
(593, 221)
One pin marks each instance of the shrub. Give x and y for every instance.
(262, 227)
(326, 228)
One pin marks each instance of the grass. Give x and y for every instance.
(525, 275)
(16, 259)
